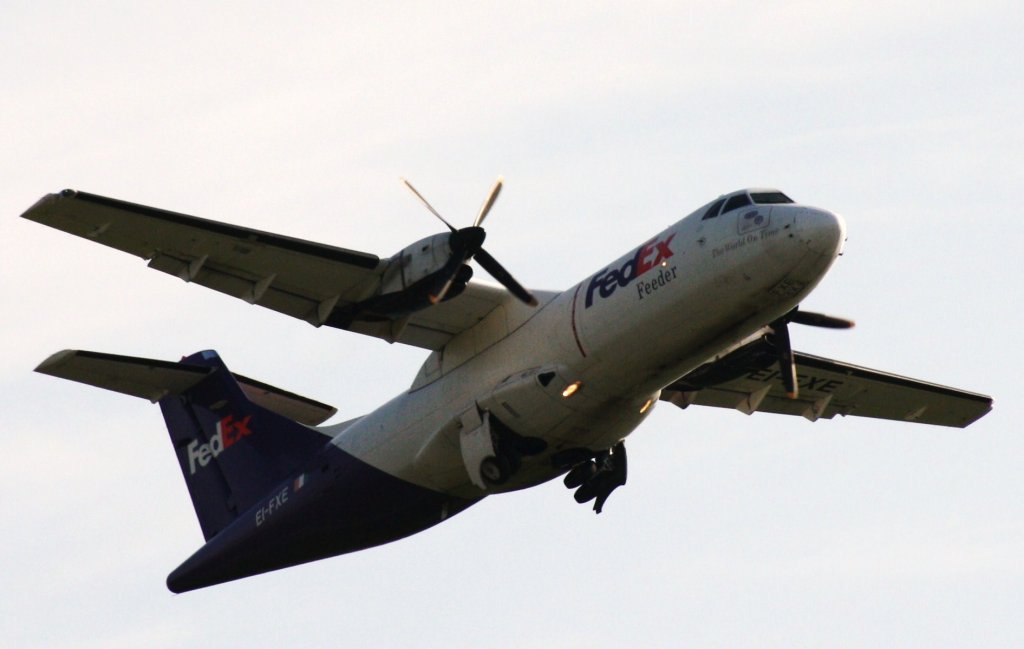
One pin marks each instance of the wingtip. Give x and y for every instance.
(54, 361)
(40, 209)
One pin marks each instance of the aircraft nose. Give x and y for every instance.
(822, 231)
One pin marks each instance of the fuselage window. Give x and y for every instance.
(736, 202)
(770, 198)
(713, 210)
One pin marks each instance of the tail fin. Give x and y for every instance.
(231, 449)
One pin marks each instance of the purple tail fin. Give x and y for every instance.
(231, 450)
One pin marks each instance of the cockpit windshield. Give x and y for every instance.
(713, 210)
(737, 200)
(770, 198)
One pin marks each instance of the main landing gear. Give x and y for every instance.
(509, 449)
(491, 451)
(596, 478)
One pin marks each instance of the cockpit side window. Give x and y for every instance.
(770, 198)
(736, 202)
(713, 210)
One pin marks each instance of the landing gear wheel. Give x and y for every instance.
(587, 492)
(580, 473)
(596, 479)
(495, 470)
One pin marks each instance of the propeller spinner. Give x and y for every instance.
(467, 243)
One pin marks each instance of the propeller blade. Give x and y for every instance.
(787, 362)
(489, 203)
(437, 296)
(813, 319)
(465, 243)
(444, 281)
(428, 205)
(498, 272)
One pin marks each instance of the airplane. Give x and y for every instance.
(520, 387)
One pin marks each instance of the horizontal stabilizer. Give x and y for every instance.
(154, 379)
(137, 377)
(293, 406)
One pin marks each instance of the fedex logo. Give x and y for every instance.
(229, 431)
(648, 256)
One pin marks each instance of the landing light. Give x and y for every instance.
(571, 389)
(647, 406)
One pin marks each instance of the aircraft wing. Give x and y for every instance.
(303, 279)
(748, 380)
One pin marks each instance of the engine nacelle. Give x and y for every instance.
(416, 262)
(406, 286)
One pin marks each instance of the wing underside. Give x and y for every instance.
(302, 279)
(748, 380)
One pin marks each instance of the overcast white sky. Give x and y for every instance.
(609, 121)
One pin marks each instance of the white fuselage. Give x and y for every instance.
(691, 292)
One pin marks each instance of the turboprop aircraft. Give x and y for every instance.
(519, 387)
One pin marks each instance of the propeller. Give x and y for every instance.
(467, 243)
(780, 338)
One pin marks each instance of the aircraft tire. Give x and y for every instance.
(585, 493)
(495, 470)
(580, 474)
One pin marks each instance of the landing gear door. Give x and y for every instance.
(476, 443)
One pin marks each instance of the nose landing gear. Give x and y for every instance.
(595, 479)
